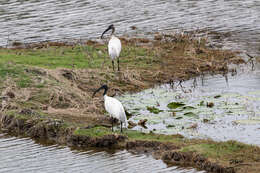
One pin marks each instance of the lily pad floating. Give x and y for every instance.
(188, 107)
(217, 96)
(153, 109)
(174, 105)
(191, 114)
(201, 103)
(170, 126)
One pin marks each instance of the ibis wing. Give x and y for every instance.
(115, 109)
(114, 47)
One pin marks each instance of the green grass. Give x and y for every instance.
(53, 57)
(93, 132)
(218, 149)
(100, 131)
(21, 78)
(87, 56)
(137, 135)
(37, 114)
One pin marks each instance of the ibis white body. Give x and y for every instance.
(114, 47)
(115, 109)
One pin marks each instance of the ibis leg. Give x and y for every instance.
(112, 123)
(118, 63)
(121, 128)
(113, 65)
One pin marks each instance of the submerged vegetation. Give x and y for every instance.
(56, 81)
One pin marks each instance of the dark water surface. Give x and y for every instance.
(35, 20)
(24, 155)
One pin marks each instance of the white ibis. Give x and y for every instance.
(113, 107)
(114, 46)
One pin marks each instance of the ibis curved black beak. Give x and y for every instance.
(105, 87)
(110, 27)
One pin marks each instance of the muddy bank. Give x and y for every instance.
(56, 131)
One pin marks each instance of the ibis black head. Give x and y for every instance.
(109, 27)
(105, 87)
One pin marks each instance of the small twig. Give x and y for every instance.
(251, 61)
(250, 56)
(8, 38)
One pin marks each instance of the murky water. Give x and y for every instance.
(235, 114)
(24, 155)
(29, 21)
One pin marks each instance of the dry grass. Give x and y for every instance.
(65, 89)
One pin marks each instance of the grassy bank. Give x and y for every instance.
(59, 79)
(46, 92)
(230, 156)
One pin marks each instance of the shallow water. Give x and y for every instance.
(24, 155)
(234, 116)
(30, 21)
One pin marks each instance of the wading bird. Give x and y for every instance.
(113, 107)
(114, 46)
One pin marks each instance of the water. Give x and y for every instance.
(30, 21)
(234, 116)
(24, 155)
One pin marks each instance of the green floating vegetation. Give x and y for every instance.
(174, 105)
(217, 96)
(191, 114)
(153, 109)
(170, 126)
(201, 103)
(188, 107)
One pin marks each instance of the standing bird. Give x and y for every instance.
(114, 46)
(113, 107)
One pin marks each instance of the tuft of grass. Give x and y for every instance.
(16, 72)
(220, 150)
(26, 116)
(137, 135)
(98, 131)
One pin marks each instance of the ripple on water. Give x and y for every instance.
(30, 21)
(24, 155)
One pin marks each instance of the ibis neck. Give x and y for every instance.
(113, 30)
(105, 92)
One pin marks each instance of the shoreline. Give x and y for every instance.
(49, 97)
(54, 131)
